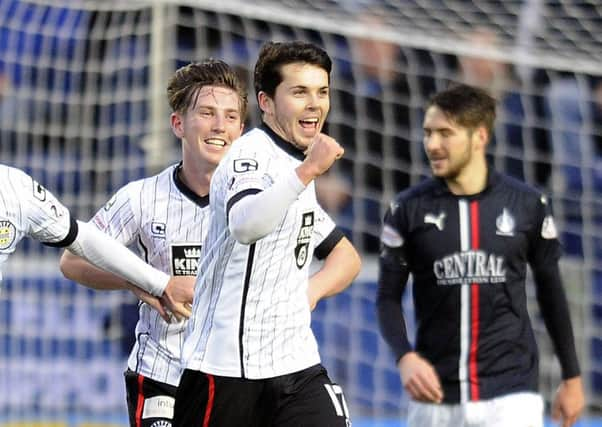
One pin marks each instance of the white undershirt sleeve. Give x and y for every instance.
(257, 215)
(110, 255)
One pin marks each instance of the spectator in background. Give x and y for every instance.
(374, 96)
(518, 142)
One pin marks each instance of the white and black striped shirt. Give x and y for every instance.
(166, 223)
(28, 209)
(251, 316)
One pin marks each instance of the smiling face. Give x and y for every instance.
(298, 110)
(209, 127)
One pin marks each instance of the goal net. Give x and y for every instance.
(83, 110)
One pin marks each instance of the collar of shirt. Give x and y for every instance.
(283, 143)
(202, 201)
(493, 177)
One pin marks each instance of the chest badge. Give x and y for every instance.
(303, 239)
(437, 220)
(8, 232)
(505, 224)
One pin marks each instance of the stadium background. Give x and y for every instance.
(83, 110)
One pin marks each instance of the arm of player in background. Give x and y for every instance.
(94, 248)
(543, 255)
(569, 400)
(340, 267)
(79, 270)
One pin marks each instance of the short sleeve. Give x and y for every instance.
(120, 216)
(544, 245)
(48, 220)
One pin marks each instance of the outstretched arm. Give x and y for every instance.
(340, 267)
(122, 268)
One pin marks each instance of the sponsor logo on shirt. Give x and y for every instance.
(185, 259)
(158, 229)
(468, 267)
(390, 237)
(437, 220)
(245, 165)
(110, 203)
(7, 234)
(303, 239)
(159, 407)
(548, 228)
(39, 192)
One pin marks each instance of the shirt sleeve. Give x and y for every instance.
(326, 234)
(393, 275)
(48, 220)
(543, 258)
(120, 216)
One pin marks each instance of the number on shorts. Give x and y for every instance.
(338, 400)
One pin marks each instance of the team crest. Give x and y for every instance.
(185, 259)
(161, 423)
(505, 224)
(7, 234)
(303, 239)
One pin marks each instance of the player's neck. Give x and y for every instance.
(195, 178)
(470, 181)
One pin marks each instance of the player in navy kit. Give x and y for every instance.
(466, 236)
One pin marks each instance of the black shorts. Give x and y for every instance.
(306, 398)
(148, 401)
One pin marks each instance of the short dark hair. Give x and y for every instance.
(274, 55)
(466, 105)
(184, 85)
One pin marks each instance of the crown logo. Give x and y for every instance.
(192, 253)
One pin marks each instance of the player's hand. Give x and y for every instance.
(322, 153)
(151, 300)
(420, 379)
(177, 297)
(568, 402)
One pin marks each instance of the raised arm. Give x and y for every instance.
(249, 219)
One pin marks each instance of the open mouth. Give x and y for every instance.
(309, 124)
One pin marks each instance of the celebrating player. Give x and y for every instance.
(251, 358)
(466, 236)
(167, 217)
(28, 209)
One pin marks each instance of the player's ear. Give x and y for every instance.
(177, 125)
(482, 136)
(265, 103)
